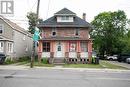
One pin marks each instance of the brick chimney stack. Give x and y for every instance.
(84, 16)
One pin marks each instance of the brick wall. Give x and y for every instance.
(66, 32)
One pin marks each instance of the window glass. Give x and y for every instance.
(1, 29)
(83, 46)
(46, 46)
(72, 47)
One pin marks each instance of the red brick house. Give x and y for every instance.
(65, 36)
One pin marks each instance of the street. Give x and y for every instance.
(63, 78)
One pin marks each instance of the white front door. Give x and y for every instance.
(59, 50)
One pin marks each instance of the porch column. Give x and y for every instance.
(40, 51)
(89, 50)
(52, 49)
(67, 49)
(78, 49)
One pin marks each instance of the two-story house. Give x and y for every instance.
(65, 36)
(15, 42)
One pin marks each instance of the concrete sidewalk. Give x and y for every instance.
(23, 67)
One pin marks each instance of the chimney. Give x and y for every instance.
(84, 16)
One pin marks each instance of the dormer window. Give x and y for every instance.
(53, 32)
(65, 19)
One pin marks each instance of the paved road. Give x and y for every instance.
(63, 78)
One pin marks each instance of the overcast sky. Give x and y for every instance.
(49, 7)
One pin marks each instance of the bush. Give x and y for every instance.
(44, 60)
(9, 61)
(26, 58)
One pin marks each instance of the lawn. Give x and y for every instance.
(102, 65)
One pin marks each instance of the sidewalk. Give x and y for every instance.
(23, 67)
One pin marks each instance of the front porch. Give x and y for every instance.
(68, 51)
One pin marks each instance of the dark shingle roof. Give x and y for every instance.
(65, 11)
(52, 22)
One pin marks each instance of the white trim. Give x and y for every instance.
(10, 47)
(46, 54)
(2, 26)
(1, 46)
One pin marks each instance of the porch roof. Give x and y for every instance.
(66, 38)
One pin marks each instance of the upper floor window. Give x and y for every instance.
(1, 46)
(1, 28)
(77, 32)
(54, 32)
(65, 19)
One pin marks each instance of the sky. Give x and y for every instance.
(49, 7)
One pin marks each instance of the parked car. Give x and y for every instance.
(2, 58)
(114, 57)
(123, 57)
(128, 60)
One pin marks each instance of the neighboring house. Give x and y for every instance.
(15, 42)
(65, 36)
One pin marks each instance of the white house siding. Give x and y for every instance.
(22, 44)
(84, 54)
(45, 54)
(73, 54)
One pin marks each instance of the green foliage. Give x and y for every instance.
(108, 28)
(9, 61)
(44, 60)
(32, 19)
(22, 59)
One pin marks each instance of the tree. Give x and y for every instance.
(108, 28)
(33, 19)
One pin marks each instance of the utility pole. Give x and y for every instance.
(35, 38)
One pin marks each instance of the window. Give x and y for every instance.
(10, 47)
(53, 32)
(83, 46)
(1, 29)
(65, 18)
(24, 37)
(46, 46)
(72, 47)
(1, 46)
(76, 32)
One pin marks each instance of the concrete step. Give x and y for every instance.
(58, 61)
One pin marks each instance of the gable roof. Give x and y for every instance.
(14, 26)
(65, 11)
(52, 22)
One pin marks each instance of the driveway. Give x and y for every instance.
(120, 64)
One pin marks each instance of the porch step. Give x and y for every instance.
(58, 61)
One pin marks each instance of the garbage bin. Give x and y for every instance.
(2, 58)
(96, 60)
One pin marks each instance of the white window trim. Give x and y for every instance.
(2, 28)
(10, 50)
(1, 48)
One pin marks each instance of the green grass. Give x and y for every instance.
(102, 65)
(108, 65)
(43, 65)
(83, 66)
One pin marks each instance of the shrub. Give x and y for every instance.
(44, 60)
(9, 61)
(26, 58)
